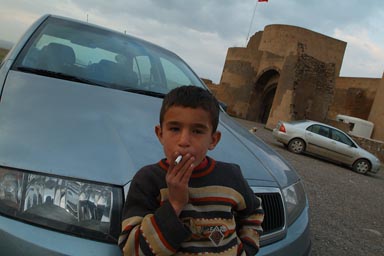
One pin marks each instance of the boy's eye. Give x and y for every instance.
(174, 129)
(197, 131)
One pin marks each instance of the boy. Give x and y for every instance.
(194, 206)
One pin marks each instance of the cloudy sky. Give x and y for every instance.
(201, 31)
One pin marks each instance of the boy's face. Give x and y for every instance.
(187, 130)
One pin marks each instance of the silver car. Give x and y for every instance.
(325, 141)
(78, 106)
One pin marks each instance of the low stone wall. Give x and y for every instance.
(376, 147)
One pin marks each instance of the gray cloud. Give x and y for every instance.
(201, 31)
(211, 16)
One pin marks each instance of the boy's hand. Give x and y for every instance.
(177, 179)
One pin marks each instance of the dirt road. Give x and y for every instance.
(346, 208)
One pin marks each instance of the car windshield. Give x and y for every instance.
(101, 57)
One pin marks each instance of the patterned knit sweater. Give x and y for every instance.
(223, 216)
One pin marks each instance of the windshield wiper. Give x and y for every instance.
(58, 75)
(86, 81)
(145, 92)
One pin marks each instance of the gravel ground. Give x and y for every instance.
(346, 208)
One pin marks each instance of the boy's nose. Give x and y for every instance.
(184, 139)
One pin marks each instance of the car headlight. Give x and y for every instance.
(295, 201)
(76, 207)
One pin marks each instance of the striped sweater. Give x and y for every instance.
(222, 217)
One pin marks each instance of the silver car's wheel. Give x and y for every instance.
(296, 146)
(362, 166)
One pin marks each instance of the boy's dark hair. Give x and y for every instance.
(191, 96)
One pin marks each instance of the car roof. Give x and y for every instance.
(306, 122)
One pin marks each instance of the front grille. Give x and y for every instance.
(273, 212)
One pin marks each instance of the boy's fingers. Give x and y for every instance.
(188, 173)
(179, 160)
(187, 170)
(182, 171)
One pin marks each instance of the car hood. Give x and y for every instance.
(93, 133)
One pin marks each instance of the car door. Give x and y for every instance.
(344, 148)
(318, 141)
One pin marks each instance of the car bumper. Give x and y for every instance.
(18, 238)
(376, 166)
(280, 136)
(297, 241)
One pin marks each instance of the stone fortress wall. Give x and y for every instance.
(290, 73)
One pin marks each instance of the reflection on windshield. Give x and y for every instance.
(84, 53)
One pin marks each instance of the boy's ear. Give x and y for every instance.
(216, 136)
(159, 133)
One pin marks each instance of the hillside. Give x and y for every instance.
(3, 52)
(5, 44)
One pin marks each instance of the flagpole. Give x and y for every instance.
(250, 25)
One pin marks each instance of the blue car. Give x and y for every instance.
(78, 107)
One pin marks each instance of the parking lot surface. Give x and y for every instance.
(346, 208)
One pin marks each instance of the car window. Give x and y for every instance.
(312, 128)
(142, 65)
(319, 129)
(103, 57)
(173, 75)
(341, 137)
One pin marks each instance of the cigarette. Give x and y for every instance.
(178, 159)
